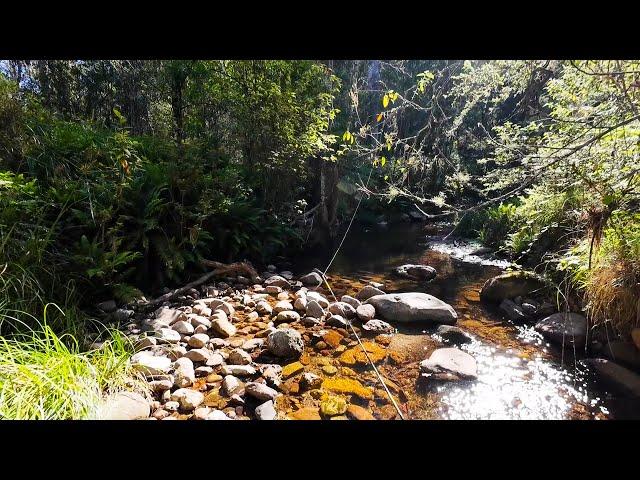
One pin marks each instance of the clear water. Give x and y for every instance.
(520, 376)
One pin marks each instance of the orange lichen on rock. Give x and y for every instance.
(359, 413)
(306, 413)
(355, 355)
(292, 369)
(347, 386)
(332, 338)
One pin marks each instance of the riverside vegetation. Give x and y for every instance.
(123, 181)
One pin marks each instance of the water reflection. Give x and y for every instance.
(519, 376)
(511, 387)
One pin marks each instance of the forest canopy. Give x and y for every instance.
(118, 177)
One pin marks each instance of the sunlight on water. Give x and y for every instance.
(519, 375)
(465, 251)
(510, 387)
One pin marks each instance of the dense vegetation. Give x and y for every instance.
(118, 177)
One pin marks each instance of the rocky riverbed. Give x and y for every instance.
(283, 348)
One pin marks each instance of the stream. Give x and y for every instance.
(520, 376)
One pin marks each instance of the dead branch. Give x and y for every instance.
(221, 269)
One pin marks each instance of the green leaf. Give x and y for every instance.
(383, 161)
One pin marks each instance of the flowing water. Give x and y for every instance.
(520, 376)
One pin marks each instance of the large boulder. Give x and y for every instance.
(511, 285)
(563, 327)
(413, 307)
(416, 272)
(450, 364)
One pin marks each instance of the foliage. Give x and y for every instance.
(44, 376)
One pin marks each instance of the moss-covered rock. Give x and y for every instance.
(510, 285)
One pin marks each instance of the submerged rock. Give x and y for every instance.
(562, 327)
(512, 310)
(511, 285)
(416, 272)
(452, 334)
(333, 405)
(413, 307)
(616, 376)
(623, 353)
(450, 364)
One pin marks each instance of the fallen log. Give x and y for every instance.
(220, 269)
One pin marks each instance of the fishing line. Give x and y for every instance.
(326, 281)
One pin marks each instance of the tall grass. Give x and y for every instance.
(47, 376)
(611, 286)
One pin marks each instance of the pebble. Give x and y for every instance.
(239, 357)
(184, 374)
(319, 299)
(252, 344)
(222, 326)
(287, 316)
(336, 321)
(203, 371)
(300, 304)
(187, 398)
(266, 411)
(231, 384)
(282, 305)
(183, 327)
(310, 381)
(285, 343)
(148, 364)
(260, 391)
(366, 312)
(238, 370)
(198, 355)
(198, 340)
(354, 302)
(168, 335)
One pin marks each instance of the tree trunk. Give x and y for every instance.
(324, 228)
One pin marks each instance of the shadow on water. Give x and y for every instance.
(519, 375)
